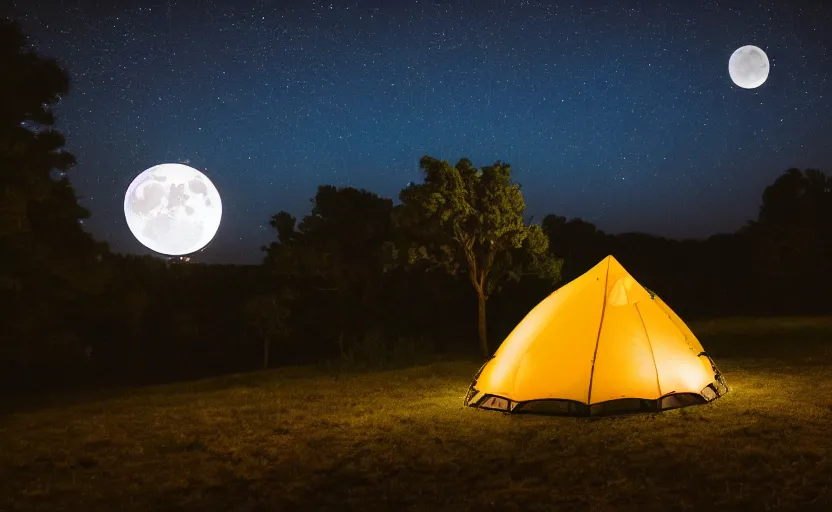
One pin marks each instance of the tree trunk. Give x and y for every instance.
(25, 367)
(136, 356)
(481, 325)
(266, 353)
(342, 325)
(341, 348)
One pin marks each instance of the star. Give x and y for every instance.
(593, 103)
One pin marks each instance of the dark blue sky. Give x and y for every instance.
(622, 113)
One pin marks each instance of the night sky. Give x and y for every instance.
(623, 114)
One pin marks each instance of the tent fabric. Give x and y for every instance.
(600, 344)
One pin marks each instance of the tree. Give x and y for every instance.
(337, 250)
(578, 242)
(266, 315)
(470, 222)
(48, 264)
(30, 86)
(791, 236)
(137, 285)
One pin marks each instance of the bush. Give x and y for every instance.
(374, 351)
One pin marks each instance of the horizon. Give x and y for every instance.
(195, 256)
(383, 229)
(607, 113)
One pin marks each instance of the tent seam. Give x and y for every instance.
(650, 344)
(598, 337)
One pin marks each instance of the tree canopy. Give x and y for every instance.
(470, 221)
(47, 261)
(336, 250)
(793, 230)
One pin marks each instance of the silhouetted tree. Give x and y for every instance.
(471, 221)
(792, 237)
(727, 274)
(48, 263)
(186, 332)
(578, 242)
(337, 250)
(266, 315)
(134, 288)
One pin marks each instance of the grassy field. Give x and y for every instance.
(311, 439)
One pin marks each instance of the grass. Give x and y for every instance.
(310, 439)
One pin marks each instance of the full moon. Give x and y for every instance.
(173, 209)
(748, 67)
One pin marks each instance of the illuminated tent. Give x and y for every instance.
(600, 344)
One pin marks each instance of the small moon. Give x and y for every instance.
(748, 67)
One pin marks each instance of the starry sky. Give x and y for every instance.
(621, 112)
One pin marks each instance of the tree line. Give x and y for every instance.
(451, 268)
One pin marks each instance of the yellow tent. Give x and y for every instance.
(600, 344)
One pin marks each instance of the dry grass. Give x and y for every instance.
(305, 439)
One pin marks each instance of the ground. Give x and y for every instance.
(317, 439)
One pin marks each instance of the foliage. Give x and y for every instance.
(470, 222)
(792, 233)
(266, 315)
(374, 351)
(369, 282)
(578, 242)
(48, 263)
(336, 250)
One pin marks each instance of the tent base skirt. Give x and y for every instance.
(558, 407)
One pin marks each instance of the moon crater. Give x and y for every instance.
(748, 67)
(173, 209)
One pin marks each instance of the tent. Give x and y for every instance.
(600, 344)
